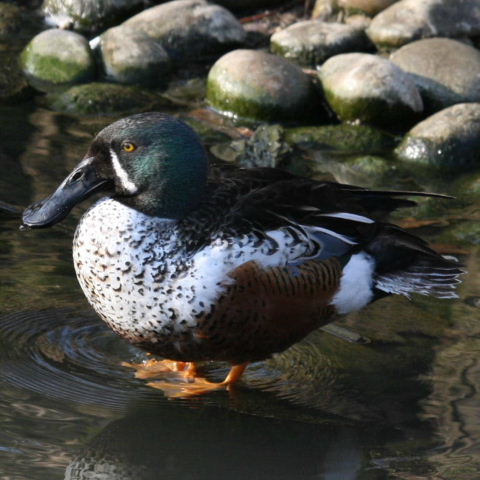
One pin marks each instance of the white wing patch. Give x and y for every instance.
(349, 216)
(356, 284)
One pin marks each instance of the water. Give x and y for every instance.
(403, 406)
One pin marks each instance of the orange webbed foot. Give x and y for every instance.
(197, 385)
(155, 368)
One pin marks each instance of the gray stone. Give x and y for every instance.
(448, 140)
(258, 85)
(89, 16)
(189, 28)
(445, 71)
(238, 5)
(57, 58)
(104, 99)
(132, 57)
(371, 89)
(328, 9)
(311, 42)
(410, 20)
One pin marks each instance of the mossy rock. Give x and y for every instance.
(260, 86)
(104, 99)
(10, 20)
(13, 84)
(360, 139)
(57, 58)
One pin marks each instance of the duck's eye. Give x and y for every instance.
(129, 146)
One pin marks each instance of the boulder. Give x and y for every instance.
(311, 42)
(370, 89)
(449, 140)
(57, 58)
(261, 86)
(410, 20)
(445, 71)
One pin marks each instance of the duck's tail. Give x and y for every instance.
(405, 264)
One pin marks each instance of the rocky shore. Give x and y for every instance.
(405, 68)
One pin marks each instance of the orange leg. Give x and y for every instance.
(200, 385)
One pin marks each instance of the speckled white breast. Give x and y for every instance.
(142, 282)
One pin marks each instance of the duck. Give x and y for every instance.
(194, 260)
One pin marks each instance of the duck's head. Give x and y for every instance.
(151, 162)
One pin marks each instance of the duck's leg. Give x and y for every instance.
(199, 385)
(153, 368)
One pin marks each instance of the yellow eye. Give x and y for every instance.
(129, 146)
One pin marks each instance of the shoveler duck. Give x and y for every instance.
(193, 262)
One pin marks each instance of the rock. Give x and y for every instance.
(410, 20)
(370, 7)
(57, 58)
(258, 85)
(104, 99)
(445, 71)
(188, 29)
(370, 89)
(10, 20)
(328, 9)
(354, 139)
(448, 140)
(311, 42)
(89, 16)
(132, 57)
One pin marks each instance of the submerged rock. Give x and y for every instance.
(448, 140)
(89, 16)
(369, 89)
(311, 42)
(104, 99)
(189, 28)
(57, 58)
(132, 57)
(445, 71)
(261, 86)
(410, 20)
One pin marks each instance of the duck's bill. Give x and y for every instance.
(79, 185)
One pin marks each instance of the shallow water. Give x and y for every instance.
(405, 405)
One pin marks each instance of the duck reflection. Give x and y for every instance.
(210, 443)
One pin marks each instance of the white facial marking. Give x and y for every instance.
(120, 172)
(356, 284)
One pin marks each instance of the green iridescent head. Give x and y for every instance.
(151, 162)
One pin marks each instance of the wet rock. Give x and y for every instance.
(369, 89)
(410, 20)
(104, 99)
(10, 20)
(325, 9)
(448, 140)
(188, 29)
(57, 58)
(132, 57)
(445, 71)
(311, 42)
(359, 139)
(258, 85)
(89, 16)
